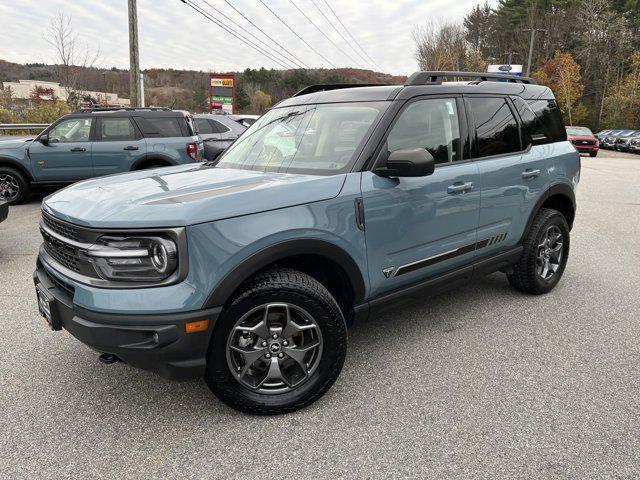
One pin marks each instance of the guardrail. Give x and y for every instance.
(28, 127)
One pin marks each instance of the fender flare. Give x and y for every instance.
(287, 248)
(12, 162)
(153, 156)
(559, 188)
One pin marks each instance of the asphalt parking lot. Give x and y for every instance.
(480, 382)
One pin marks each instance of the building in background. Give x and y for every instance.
(23, 93)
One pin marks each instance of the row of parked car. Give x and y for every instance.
(623, 140)
(103, 141)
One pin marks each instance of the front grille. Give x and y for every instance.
(61, 252)
(584, 142)
(60, 228)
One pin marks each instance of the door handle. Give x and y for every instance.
(530, 173)
(459, 187)
(130, 147)
(78, 149)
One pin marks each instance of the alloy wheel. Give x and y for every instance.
(550, 249)
(274, 348)
(9, 187)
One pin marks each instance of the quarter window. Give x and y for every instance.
(72, 130)
(550, 122)
(496, 128)
(431, 124)
(117, 129)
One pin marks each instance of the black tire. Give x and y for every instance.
(17, 181)
(593, 154)
(299, 290)
(525, 276)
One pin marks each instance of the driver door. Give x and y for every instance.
(419, 227)
(67, 156)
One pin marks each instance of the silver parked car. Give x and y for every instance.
(217, 132)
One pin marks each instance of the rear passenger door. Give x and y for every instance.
(511, 173)
(118, 146)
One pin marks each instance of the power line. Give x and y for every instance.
(265, 34)
(352, 37)
(288, 61)
(294, 32)
(339, 32)
(233, 33)
(322, 32)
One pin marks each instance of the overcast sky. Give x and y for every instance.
(174, 35)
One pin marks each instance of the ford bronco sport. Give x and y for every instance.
(97, 141)
(335, 204)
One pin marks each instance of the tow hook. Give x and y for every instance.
(108, 358)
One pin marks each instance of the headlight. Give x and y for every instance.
(135, 258)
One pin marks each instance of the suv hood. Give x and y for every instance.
(184, 195)
(20, 142)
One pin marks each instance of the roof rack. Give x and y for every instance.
(334, 86)
(126, 109)
(435, 78)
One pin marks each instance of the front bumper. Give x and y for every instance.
(586, 148)
(4, 210)
(157, 343)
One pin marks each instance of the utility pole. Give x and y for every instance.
(134, 56)
(533, 34)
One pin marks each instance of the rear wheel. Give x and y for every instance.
(279, 346)
(14, 188)
(544, 255)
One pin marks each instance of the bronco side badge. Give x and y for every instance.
(387, 271)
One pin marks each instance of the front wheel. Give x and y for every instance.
(279, 346)
(544, 255)
(14, 188)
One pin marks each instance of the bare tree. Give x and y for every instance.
(71, 57)
(444, 46)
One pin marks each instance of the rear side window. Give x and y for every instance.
(161, 126)
(203, 126)
(219, 127)
(114, 129)
(549, 121)
(496, 128)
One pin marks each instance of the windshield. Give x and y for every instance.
(626, 133)
(318, 139)
(578, 131)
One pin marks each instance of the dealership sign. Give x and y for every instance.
(506, 69)
(222, 92)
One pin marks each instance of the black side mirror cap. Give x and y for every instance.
(44, 139)
(408, 162)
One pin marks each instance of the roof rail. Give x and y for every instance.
(126, 109)
(435, 78)
(334, 86)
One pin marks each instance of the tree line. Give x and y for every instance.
(587, 51)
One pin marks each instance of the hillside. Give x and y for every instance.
(188, 89)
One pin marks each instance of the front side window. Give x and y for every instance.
(72, 130)
(117, 129)
(431, 124)
(316, 139)
(497, 131)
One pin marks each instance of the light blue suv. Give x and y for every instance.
(95, 142)
(337, 203)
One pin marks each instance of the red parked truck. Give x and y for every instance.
(583, 140)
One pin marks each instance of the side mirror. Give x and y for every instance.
(408, 162)
(44, 139)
